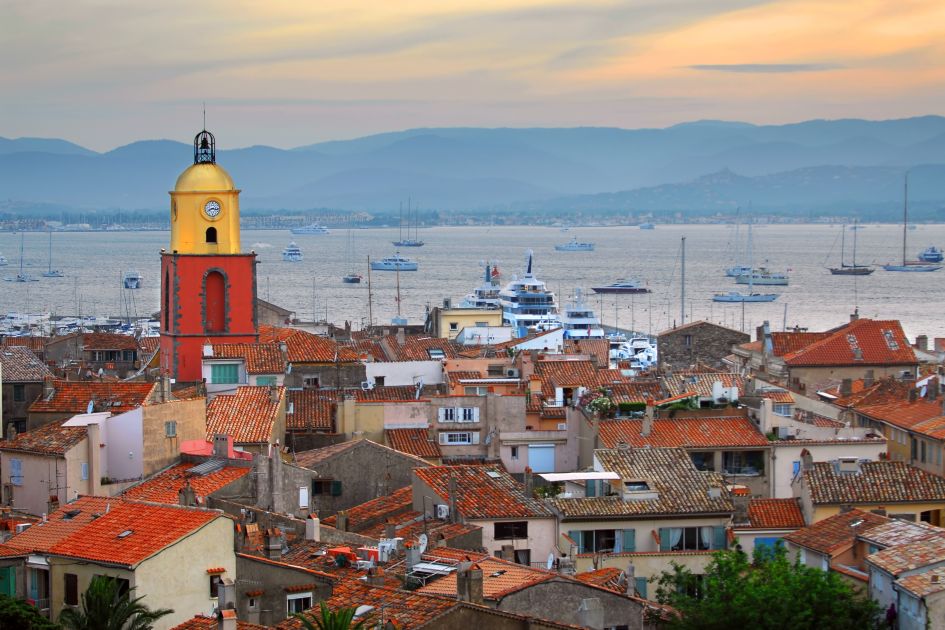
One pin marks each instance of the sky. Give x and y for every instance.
(286, 73)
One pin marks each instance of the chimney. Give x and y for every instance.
(846, 387)
(401, 337)
(186, 496)
(221, 446)
(648, 416)
(274, 394)
(857, 354)
(274, 544)
(631, 573)
(913, 394)
(11, 431)
(591, 613)
(227, 619)
(934, 578)
(855, 315)
(390, 530)
(869, 378)
(922, 342)
(413, 556)
(454, 517)
(226, 594)
(341, 521)
(469, 584)
(313, 528)
(529, 481)
(375, 576)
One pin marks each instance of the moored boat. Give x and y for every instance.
(394, 263)
(312, 228)
(932, 254)
(292, 253)
(574, 246)
(622, 286)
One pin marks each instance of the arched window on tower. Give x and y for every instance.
(167, 301)
(214, 303)
(211, 235)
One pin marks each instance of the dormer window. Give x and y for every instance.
(636, 486)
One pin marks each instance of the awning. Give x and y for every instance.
(579, 476)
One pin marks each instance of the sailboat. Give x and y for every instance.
(351, 277)
(51, 273)
(738, 269)
(751, 296)
(22, 276)
(908, 265)
(849, 270)
(409, 242)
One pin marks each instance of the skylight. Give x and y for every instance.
(126, 533)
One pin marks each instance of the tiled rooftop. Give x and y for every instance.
(775, 514)
(417, 348)
(35, 343)
(417, 442)
(149, 345)
(260, 358)
(201, 622)
(108, 341)
(835, 532)
(483, 492)
(74, 396)
(499, 578)
(165, 486)
(680, 383)
(376, 510)
(899, 532)
(20, 365)
(669, 472)
(861, 342)
(304, 347)
(924, 584)
(901, 413)
(248, 415)
(722, 432)
(309, 459)
(49, 439)
(605, 578)
(68, 519)
(877, 483)
(901, 558)
(312, 410)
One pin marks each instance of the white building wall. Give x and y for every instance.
(541, 537)
(405, 372)
(123, 436)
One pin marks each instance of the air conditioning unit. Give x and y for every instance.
(367, 385)
(562, 426)
(443, 512)
(512, 372)
(787, 433)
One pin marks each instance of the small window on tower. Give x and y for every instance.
(211, 235)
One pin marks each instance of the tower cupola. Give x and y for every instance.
(205, 148)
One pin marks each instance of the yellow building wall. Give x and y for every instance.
(464, 318)
(825, 511)
(161, 451)
(198, 185)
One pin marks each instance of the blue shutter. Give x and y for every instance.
(590, 488)
(16, 472)
(721, 540)
(629, 540)
(575, 535)
(641, 586)
(664, 539)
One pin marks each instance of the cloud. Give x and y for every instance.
(766, 68)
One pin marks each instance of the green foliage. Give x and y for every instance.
(18, 614)
(626, 408)
(104, 607)
(340, 619)
(771, 592)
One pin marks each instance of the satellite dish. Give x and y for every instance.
(90, 407)
(422, 542)
(551, 561)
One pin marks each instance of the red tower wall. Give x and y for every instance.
(204, 298)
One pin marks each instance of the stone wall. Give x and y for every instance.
(699, 342)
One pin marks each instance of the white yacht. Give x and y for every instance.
(3, 261)
(394, 263)
(313, 228)
(292, 253)
(527, 303)
(763, 277)
(639, 351)
(579, 320)
(131, 280)
(574, 246)
(486, 295)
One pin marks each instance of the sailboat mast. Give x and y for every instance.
(905, 215)
(50, 251)
(400, 223)
(682, 290)
(398, 291)
(843, 244)
(370, 295)
(854, 244)
(751, 266)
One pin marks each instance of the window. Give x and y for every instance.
(170, 428)
(469, 414)
(476, 391)
(225, 373)
(687, 341)
(330, 487)
(214, 302)
(84, 471)
(795, 468)
(523, 556)
(703, 460)
(692, 538)
(72, 589)
(311, 381)
(458, 438)
(436, 354)
(454, 325)
(782, 410)
(514, 452)
(379, 381)
(746, 463)
(19, 392)
(16, 471)
(447, 414)
(128, 355)
(265, 380)
(252, 603)
(298, 602)
(496, 370)
(215, 582)
(211, 235)
(482, 324)
(511, 530)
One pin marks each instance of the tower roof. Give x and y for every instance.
(204, 177)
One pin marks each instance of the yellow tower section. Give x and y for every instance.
(205, 205)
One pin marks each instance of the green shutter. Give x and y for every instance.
(225, 374)
(8, 581)
(265, 380)
(664, 539)
(590, 488)
(721, 540)
(336, 487)
(629, 540)
(641, 586)
(575, 535)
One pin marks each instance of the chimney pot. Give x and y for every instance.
(313, 528)
(228, 619)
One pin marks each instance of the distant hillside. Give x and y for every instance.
(819, 163)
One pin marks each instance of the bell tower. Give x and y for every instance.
(208, 286)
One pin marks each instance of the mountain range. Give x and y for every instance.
(704, 166)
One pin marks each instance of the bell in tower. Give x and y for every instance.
(205, 148)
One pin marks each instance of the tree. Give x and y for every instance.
(106, 607)
(18, 614)
(770, 592)
(341, 619)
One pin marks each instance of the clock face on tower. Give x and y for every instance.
(212, 209)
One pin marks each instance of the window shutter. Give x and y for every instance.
(16, 472)
(664, 539)
(720, 538)
(84, 471)
(441, 416)
(590, 488)
(475, 437)
(629, 540)
(641, 586)
(475, 414)
(443, 437)
(336, 487)
(575, 535)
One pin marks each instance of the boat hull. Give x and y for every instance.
(769, 282)
(408, 243)
(741, 297)
(379, 266)
(851, 271)
(624, 290)
(912, 268)
(351, 279)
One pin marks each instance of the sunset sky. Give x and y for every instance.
(288, 73)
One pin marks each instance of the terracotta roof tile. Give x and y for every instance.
(684, 432)
(638, 391)
(304, 347)
(417, 348)
(876, 482)
(605, 578)
(49, 439)
(152, 528)
(499, 578)
(923, 584)
(21, 365)
(414, 441)
(483, 492)
(701, 383)
(316, 456)
(37, 343)
(107, 341)
(836, 532)
(68, 519)
(376, 510)
(165, 486)
(201, 622)
(777, 396)
(248, 415)
(260, 358)
(933, 427)
(6, 551)
(312, 410)
(599, 348)
(775, 514)
(902, 414)
(385, 393)
(669, 472)
(74, 396)
(899, 532)
(783, 343)
(862, 342)
(149, 345)
(910, 556)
